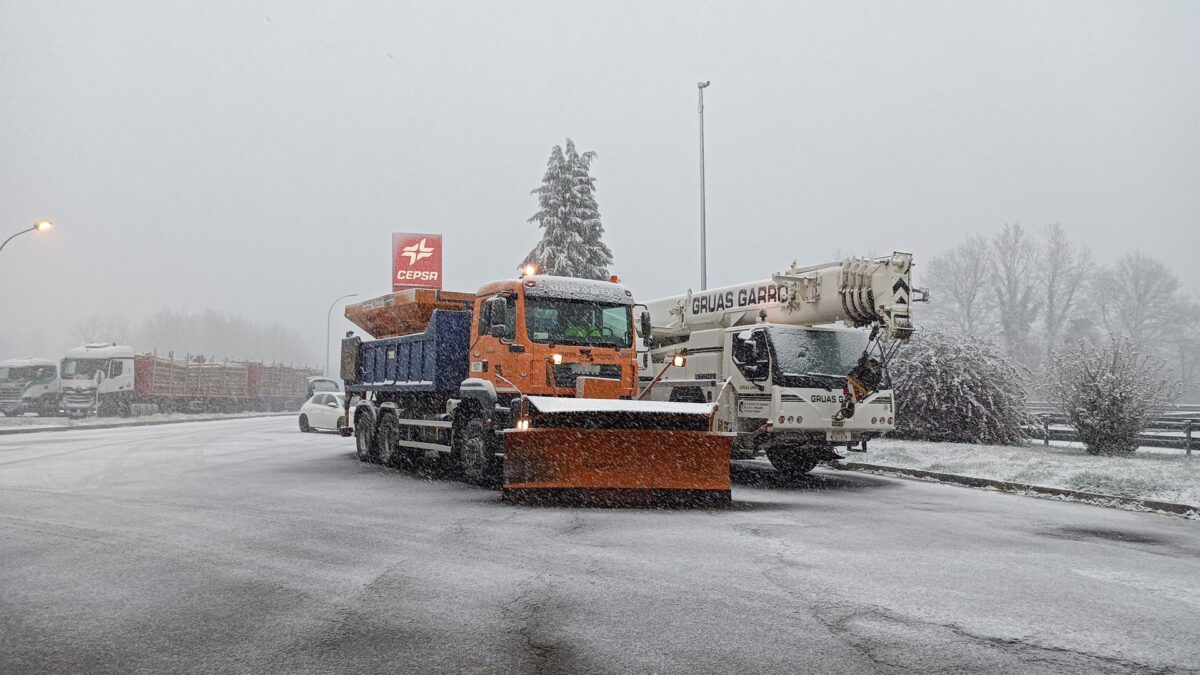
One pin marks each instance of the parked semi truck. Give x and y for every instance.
(29, 386)
(532, 378)
(110, 379)
(791, 386)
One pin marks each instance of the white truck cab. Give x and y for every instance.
(29, 385)
(97, 378)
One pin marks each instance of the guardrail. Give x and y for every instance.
(1160, 433)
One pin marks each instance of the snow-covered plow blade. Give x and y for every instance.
(616, 452)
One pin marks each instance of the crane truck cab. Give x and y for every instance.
(97, 377)
(790, 384)
(29, 386)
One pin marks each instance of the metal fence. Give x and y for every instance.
(1173, 429)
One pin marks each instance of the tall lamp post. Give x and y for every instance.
(39, 226)
(328, 322)
(700, 86)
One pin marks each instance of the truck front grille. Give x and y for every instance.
(565, 374)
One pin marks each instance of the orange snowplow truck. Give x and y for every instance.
(533, 379)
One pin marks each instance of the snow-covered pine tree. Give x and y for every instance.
(569, 216)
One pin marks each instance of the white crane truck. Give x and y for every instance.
(789, 384)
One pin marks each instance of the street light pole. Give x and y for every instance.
(700, 86)
(39, 226)
(328, 322)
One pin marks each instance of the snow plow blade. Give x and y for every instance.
(617, 452)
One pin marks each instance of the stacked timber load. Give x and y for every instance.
(160, 376)
(404, 312)
(217, 380)
(278, 380)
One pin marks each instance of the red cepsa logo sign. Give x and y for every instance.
(416, 261)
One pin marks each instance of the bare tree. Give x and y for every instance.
(958, 285)
(102, 328)
(1138, 297)
(1064, 273)
(1015, 285)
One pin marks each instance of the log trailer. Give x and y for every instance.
(789, 385)
(533, 379)
(110, 379)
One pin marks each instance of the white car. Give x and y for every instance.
(325, 410)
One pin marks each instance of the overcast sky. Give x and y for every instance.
(255, 157)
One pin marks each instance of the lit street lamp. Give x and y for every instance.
(39, 226)
(328, 321)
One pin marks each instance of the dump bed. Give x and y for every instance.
(434, 359)
(405, 312)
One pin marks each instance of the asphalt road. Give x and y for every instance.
(246, 546)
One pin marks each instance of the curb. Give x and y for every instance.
(1111, 501)
(122, 425)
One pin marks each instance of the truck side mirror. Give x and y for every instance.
(98, 377)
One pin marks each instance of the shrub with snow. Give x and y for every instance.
(957, 388)
(1109, 394)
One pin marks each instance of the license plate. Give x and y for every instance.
(838, 436)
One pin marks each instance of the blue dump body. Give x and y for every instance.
(431, 361)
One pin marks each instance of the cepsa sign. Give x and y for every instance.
(416, 261)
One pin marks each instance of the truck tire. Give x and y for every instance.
(364, 438)
(387, 433)
(791, 462)
(475, 452)
(304, 428)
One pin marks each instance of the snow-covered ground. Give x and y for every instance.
(34, 422)
(1152, 473)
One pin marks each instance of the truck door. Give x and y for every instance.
(749, 367)
(497, 336)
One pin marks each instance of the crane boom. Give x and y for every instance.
(855, 291)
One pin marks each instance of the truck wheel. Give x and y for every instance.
(475, 453)
(364, 438)
(790, 462)
(386, 436)
(304, 428)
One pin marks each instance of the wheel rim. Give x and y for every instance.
(473, 454)
(363, 443)
(387, 444)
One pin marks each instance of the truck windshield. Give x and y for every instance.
(578, 322)
(33, 373)
(83, 368)
(803, 351)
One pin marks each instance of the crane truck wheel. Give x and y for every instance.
(790, 462)
(475, 454)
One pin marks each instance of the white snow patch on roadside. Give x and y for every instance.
(31, 422)
(1152, 473)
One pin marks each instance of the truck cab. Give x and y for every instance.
(29, 385)
(781, 389)
(97, 377)
(555, 336)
